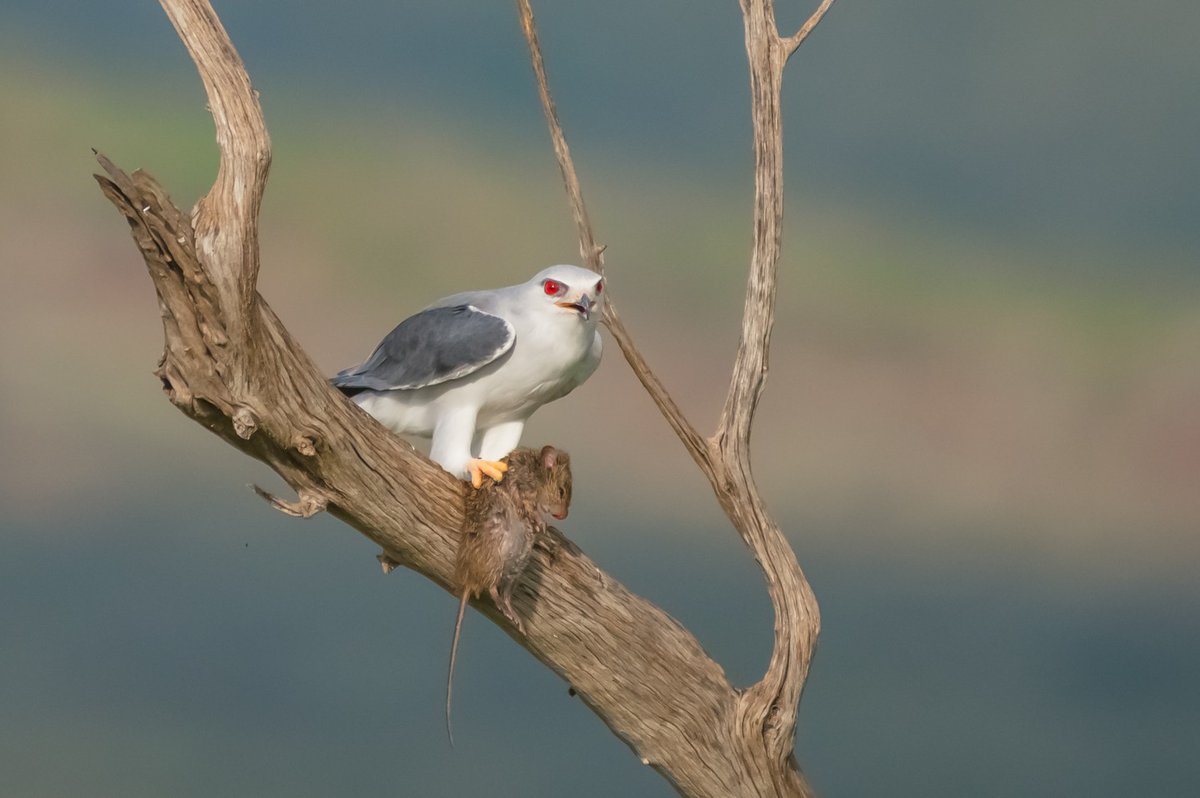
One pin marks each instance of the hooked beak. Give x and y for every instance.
(583, 305)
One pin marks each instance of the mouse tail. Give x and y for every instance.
(462, 608)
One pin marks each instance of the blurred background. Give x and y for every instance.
(981, 433)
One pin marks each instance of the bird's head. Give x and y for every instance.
(571, 290)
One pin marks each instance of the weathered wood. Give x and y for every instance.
(767, 710)
(634, 665)
(229, 364)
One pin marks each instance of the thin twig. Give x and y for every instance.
(794, 41)
(593, 254)
(588, 249)
(696, 445)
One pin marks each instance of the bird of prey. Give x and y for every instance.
(470, 369)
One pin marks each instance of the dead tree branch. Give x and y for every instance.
(593, 254)
(229, 364)
(796, 39)
(767, 711)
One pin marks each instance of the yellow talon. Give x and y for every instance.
(493, 468)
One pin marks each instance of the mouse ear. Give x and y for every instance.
(549, 456)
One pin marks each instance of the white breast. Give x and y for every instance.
(553, 354)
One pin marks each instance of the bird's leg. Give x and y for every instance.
(451, 448)
(499, 440)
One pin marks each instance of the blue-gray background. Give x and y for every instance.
(982, 430)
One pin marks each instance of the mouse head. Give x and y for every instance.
(555, 489)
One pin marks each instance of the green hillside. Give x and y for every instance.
(926, 374)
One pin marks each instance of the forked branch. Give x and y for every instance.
(226, 220)
(768, 709)
(794, 41)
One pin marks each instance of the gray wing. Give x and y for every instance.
(434, 346)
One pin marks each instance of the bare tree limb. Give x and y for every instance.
(771, 704)
(226, 220)
(229, 364)
(593, 254)
(794, 41)
(768, 709)
(589, 250)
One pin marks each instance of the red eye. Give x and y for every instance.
(599, 287)
(552, 287)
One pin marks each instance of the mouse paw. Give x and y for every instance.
(504, 604)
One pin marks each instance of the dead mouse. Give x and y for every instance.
(499, 526)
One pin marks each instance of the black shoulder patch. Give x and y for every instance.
(429, 348)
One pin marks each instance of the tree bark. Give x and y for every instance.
(229, 364)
